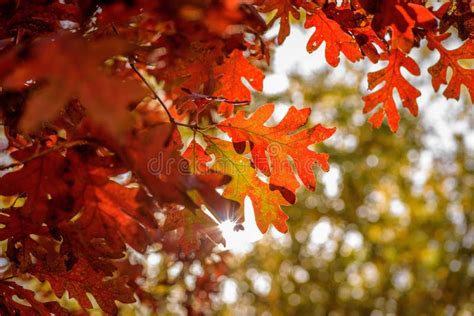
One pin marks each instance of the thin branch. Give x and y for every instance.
(46, 152)
(157, 97)
(132, 63)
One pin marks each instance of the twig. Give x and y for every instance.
(46, 152)
(132, 63)
(157, 97)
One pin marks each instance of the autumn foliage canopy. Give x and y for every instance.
(115, 112)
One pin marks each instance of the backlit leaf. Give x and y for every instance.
(392, 78)
(449, 59)
(280, 143)
(337, 40)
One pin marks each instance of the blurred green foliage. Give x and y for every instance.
(389, 231)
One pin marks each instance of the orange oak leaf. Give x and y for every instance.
(190, 66)
(108, 210)
(283, 10)
(280, 143)
(337, 40)
(405, 18)
(352, 22)
(83, 279)
(75, 72)
(41, 180)
(230, 75)
(450, 59)
(393, 79)
(245, 183)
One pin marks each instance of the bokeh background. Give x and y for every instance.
(389, 230)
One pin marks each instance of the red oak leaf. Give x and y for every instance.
(28, 18)
(393, 79)
(402, 18)
(108, 210)
(459, 14)
(17, 229)
(450, 59)
(337, 40)
(280, 142)
(194, 102)
(153, 155)
(359, 26)
(190, 66)
(13, 298)
(40, 179)
(82, 279)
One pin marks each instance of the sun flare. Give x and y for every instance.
(233, 238)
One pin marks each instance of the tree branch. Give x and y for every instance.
(132, 63)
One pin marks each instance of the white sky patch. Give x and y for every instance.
(300, 274)
(292, 55)
(402, 279)
(4, 264)
(420, 174)
(275, 83)
(3, 138)
(281, 109)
